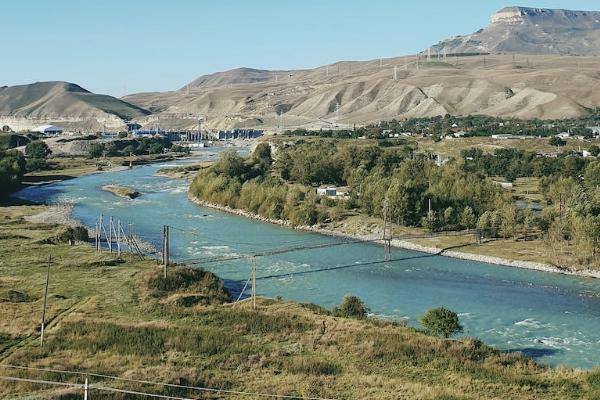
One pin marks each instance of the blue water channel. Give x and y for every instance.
(553, 318)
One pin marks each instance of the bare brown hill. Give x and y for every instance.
(363, 92)
(46, 100)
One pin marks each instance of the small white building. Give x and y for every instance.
(49, 130)
(327, 191)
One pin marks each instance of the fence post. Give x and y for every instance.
(85, 390)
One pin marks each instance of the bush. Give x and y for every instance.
(593, 379)
(12, 168)
(96, 150)
(76, 234)
(441, 322)
(36, 164)
(556, 141)
(351, 307)
(190, 280)
(37, 149)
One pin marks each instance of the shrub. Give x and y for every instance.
(191, 280)
(96, 150)
(36, 164)
(441, 322)
(593, 378)
(12, 168)
(556, 141)
(351, 307)
(37, 149)
(76, 234)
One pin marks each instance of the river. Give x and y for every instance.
(552, 318)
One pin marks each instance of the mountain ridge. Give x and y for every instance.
(530, 30)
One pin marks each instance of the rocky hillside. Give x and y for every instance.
(532, 31)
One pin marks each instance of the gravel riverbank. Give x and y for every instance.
(408, 245)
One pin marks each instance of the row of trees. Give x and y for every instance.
(122, 148)
(417, 192)
(475, 125)
(14, 165)
(513, 163)
(573, 213)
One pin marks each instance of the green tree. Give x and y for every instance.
(467, 218)
(37, 149)
(351, 307)
(441, 322)
(96, 150)
(12, 168)
(156, 148)
(556, 141)
(230, 164)
(591, 175)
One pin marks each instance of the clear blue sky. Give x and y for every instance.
(126, 46)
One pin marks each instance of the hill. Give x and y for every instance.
(369, 91)
(532, 31)
(63, 100)
(232, 77)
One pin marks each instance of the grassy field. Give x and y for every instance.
(117, 317)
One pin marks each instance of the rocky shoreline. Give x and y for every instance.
(403, 244)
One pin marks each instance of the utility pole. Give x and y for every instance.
(254, 283)
(165, 250)
(387, 240)
(100, 229)
(110, 232)
(118, 235)
(45, 302)
(97, 241)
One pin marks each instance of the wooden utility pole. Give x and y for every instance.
(165, 250)
(110, 233)
(119, 238)
(387, 242)
(45, 302)
(100, 229)
(97, 241)
(253, 283)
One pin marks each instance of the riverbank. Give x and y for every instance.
(406, 244)
(155, 332)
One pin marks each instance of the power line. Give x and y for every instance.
(219, 239)
(283, 250)
(172, 385)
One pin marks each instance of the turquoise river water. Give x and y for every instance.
(552, 318)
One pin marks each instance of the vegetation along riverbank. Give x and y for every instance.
(427, 203)
(119, 317)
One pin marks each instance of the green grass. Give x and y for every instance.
(118, 317)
